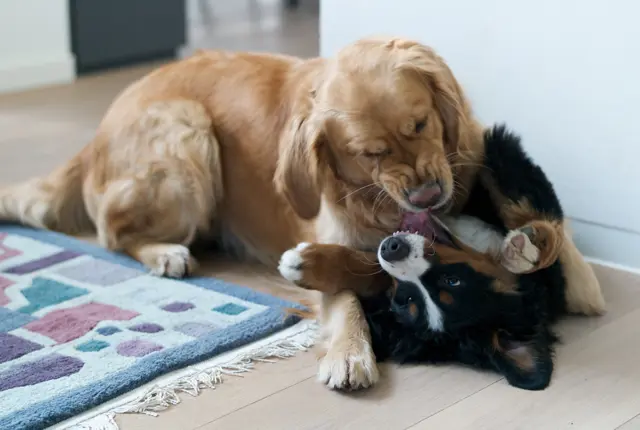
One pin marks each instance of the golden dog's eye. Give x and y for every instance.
(377, 154)
(420, 125)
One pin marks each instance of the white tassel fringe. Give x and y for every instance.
(164, 395)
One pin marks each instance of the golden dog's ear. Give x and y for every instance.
(298, 173)
(448, 96)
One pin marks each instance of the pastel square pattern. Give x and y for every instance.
(4, 284)
(92, 346)
(108, 330)
(230, 309)
(80, 325)
(11, 320)
(42, 263)
(44, 292)
(99, 272)
(5, 251)
(15, 347)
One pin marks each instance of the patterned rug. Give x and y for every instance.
(80, 325)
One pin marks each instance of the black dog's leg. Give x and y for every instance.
(526, 203)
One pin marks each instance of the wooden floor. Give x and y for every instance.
(596, 384)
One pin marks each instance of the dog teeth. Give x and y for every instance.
(410, 231)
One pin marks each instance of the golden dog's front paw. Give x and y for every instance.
(166, 259)
(291, 265)
(349, 365)
(315, 266)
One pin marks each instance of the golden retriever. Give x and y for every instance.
(264, 152)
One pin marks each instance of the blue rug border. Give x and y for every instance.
(48, 413)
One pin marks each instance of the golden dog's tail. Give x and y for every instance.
(52, 202)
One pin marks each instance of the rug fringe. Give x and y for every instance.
(162, 397)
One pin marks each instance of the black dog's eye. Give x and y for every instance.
(451, 281)
(420, 125)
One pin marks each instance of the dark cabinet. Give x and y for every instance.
(109, 33)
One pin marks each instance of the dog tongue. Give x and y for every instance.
(417, 222)
(427, 225)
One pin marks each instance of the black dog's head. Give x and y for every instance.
(452, 290)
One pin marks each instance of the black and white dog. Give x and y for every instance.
(482, 290)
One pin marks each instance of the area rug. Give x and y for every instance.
(80, 325)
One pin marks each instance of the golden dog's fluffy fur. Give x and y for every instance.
(266, 151)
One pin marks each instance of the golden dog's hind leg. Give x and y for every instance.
(155, 208)
(583, 294)
(150, 219)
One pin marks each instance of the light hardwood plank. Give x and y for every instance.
(415, 393)
(402, 397)
(622, 295)
(233, 394)
(596, 387)
(25, 158)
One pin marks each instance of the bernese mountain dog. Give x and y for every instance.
(473, 289)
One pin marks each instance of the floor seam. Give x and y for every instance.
(454, 403)
(254, 402)
(627, 421)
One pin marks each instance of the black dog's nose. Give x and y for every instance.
(394, 248)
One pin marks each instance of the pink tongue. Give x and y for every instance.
(417, 222)
(424, 224)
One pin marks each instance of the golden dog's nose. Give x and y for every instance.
(426, 195)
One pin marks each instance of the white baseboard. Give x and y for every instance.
(34, 74)
(614, 266)
(608, 246)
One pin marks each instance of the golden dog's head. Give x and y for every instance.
(382, 115)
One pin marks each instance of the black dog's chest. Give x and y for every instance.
(540, 301)
(393, 341)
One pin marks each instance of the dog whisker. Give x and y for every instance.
(377, 203)
(471, 164)
(355, 191)
(368, 262)
(366, 274)
(459, 188)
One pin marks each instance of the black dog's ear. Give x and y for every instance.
(525, 363)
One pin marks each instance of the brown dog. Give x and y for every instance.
(264, 152)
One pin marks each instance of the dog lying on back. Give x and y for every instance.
(450, 302)
(482, 289)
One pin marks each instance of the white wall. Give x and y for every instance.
(565, 74)
(35, 44)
